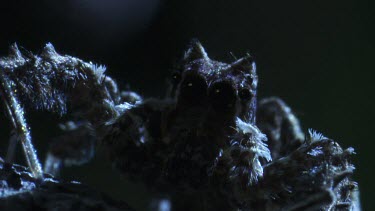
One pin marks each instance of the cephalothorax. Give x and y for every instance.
(200, 147)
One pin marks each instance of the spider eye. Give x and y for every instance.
(244, 94)
(193, 88)
(222, 95)
(176, 77)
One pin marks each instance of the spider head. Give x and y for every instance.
(228, 90)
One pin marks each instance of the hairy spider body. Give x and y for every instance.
(201, 147)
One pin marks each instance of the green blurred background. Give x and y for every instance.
(316, 55)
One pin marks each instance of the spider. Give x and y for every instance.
(202, 148)
(209, 145)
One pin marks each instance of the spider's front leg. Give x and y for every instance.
(134, 140)
(16, 113)
(276, 119)
(307, 173)
(75, 147)
(240, 165)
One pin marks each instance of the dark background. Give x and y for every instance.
(316, 55)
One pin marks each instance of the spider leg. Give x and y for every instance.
(16, 113)
(134, 141)
(75, 147)
(283, 130)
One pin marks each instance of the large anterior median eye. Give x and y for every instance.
(176, 77)
(193, 88)
(222, 95)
